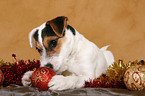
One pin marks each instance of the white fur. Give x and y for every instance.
(26, 81)
(82, 58)
(31, 36)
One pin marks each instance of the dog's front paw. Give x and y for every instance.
(58, 82)
(26, 79)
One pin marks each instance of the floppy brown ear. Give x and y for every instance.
(58, 25)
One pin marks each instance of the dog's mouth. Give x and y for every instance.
(49, 65)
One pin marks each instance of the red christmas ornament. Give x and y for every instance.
(41, 77)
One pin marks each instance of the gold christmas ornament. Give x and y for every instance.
(134, 77)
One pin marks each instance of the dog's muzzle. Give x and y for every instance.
(49, 65)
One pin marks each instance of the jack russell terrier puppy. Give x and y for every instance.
(74, 58)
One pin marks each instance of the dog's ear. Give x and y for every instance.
(58, 25)
(31, 35)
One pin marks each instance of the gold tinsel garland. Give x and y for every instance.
(117, 70)
(113, 78)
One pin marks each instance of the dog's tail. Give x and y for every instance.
(108, 55)
(105, 59)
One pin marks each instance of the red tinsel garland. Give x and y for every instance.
(103, 83)
(13, 72)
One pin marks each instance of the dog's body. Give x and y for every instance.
(74, 58)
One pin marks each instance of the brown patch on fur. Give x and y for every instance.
(47, 39)
(57, 49)
(66, 73)
(58, 25)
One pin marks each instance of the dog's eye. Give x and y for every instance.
(53, 44)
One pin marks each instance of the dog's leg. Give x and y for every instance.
(26, 79)
(60, 82)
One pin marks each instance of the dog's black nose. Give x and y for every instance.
(49, 65)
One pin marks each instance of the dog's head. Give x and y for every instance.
(50, 36)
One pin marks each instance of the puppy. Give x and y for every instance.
(74, 58)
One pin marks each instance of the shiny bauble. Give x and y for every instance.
(134, 78)
(41, 77)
